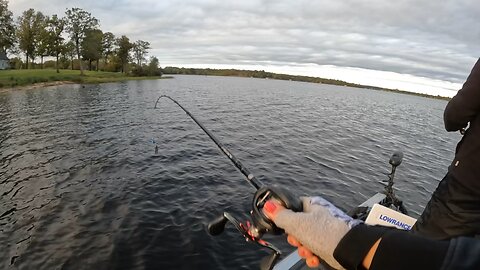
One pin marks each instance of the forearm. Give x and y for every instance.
(403, 250)
(362, 248)
(343, 242)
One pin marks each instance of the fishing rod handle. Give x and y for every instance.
(261, 223)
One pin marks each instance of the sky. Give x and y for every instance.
(424, 46)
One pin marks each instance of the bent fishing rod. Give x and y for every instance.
(250, 177)
(261, 224)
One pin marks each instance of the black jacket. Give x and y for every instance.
(463, 110)
(401, 250)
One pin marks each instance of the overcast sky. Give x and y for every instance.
(418, 45)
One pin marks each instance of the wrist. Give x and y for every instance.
(367, 261)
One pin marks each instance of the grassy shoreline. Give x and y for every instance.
(13, 79)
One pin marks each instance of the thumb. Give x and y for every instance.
(282, 217)
(271, 209)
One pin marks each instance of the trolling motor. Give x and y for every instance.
(391, 199)
(252, 231)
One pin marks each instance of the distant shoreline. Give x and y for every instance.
(12, 80)
(286, 77)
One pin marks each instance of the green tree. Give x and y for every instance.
(16, 63)
(79, 22)
(55, 29)
(69, 51)
(92, 46)
(29, 27)
(7, 27)
(123, 52)
(114, 64)
(108, 44)
(154, 67)
(43, 40)
(140, 48)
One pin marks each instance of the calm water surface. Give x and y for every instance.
(82, 187)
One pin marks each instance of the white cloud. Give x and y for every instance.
(419, 40)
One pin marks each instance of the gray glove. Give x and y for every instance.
(320, 227)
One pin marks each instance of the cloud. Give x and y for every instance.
(422, 38)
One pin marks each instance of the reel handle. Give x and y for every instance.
(217, 226)
(261, 223)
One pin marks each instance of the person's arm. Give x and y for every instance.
(397, 249)
(324, 231)
(464, 107)
(391, 249)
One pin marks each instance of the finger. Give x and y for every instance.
(304, 252)
(313, 261)
(293, 241)
(272, 208)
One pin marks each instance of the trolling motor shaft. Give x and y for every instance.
(391, 199)
(261, 224)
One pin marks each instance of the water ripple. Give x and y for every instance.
(82, 186)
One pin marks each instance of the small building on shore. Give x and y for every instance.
(4, 61)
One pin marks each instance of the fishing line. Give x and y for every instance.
(152, 140)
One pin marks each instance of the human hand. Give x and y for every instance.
(316, 231)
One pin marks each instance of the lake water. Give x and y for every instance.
(82, 186)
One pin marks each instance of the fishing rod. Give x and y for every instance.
(261, 224)
(251, 179)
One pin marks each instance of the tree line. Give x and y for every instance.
(256, 74)
(74, 40)
(276, 76)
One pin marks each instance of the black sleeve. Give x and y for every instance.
(399, 250)
(403, 250)
(355, 245)
(463, 108)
